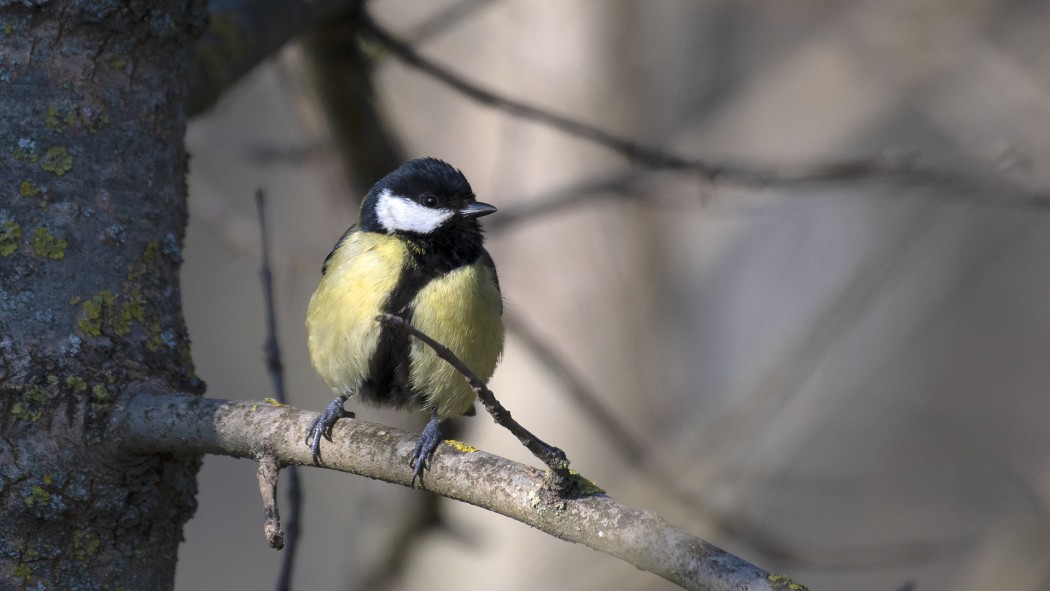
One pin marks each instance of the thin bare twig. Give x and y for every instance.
(272, 347)
(955, 184)
(615, 186)
(553, 457)
(267, 473)
(276, 370)
(642, 154)
(447, 18)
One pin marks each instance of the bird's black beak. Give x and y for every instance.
(476, 210)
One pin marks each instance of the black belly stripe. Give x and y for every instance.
(388, 371)
(388, 382)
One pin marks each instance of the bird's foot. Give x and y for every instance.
(323, 424)
(429, 439)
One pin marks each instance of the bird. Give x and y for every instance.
(417, 252)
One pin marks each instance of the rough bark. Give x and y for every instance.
(151, 423)
(92, 213)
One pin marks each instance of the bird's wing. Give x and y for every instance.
(486, 259)
(342, 239)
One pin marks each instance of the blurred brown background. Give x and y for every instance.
(844, 381)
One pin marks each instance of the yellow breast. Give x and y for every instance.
(461, 309)
(340, 320)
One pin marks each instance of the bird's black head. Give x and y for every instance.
(423, 198)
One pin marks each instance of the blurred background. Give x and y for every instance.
(841, 379)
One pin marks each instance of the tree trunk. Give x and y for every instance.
(92, 213)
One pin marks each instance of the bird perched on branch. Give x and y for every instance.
(417, 252)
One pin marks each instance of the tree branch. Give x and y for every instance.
(146, 422)
(341, 76)
(267, 473)
(243, 33)
(447, 18)
(645, 155)
(900, 169)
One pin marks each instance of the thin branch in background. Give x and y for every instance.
(221, 59)
(272, 347)
(447, 18)
(276, 370)
(404, 545)
(271, 154)
(341, 77)
(642, 154)
(648, 156)
(632, 451)
(615, 186)
(956, 185)
(630, 448)
(553, 457)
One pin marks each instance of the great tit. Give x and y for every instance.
(417, 252)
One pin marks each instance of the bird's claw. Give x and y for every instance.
(324, 423)
(428, 442)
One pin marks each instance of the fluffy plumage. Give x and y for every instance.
(418, 253)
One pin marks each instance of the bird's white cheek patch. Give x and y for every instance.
(398, 213)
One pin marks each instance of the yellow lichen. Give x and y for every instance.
(28, 189)
(38, 495)
(100, 394)
(23, 571)
(95, 311)
(58, 121)
(57, 160)
(462, 447)
(85, 544)
(77, 383)
(584, 486)
(48, 245)
(782, 582)
(10, 234)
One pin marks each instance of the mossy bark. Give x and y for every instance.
(92, 215)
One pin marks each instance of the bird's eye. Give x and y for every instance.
(430, 200)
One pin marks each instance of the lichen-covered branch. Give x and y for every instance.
(148, 422)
